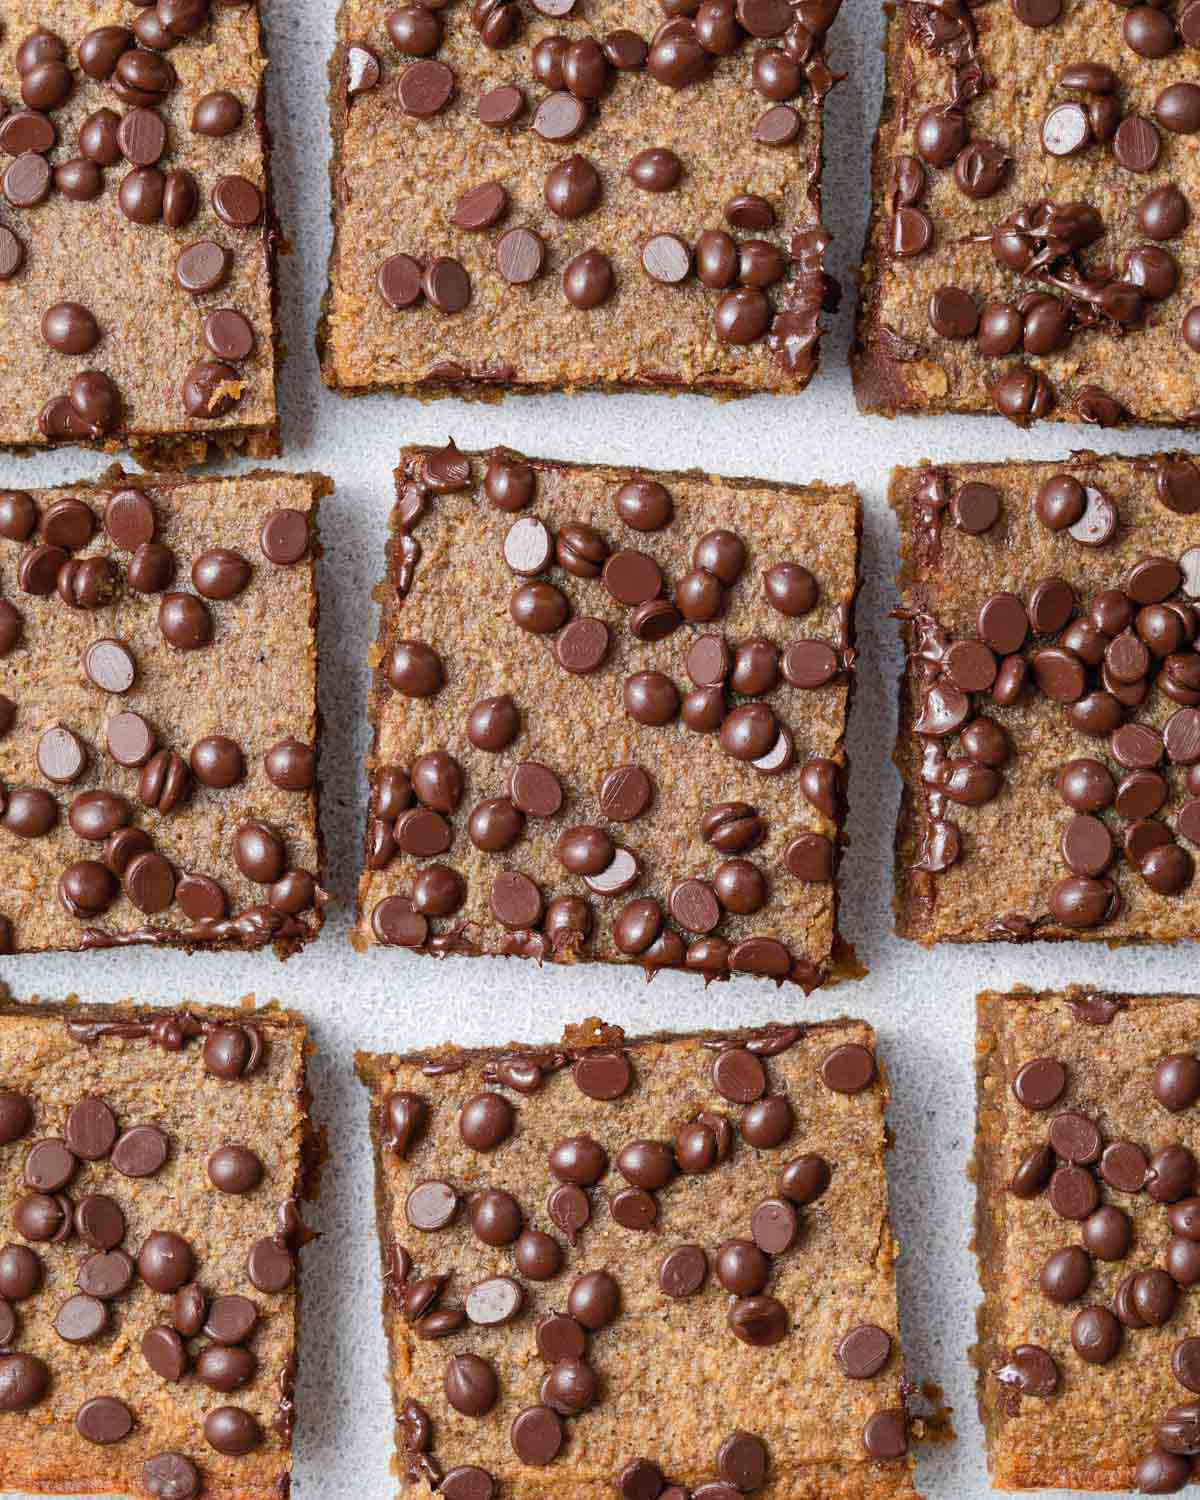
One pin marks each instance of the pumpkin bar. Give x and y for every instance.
(137, 238)
(1034, 183)
(158, 714)
(609, 710)
(1050, 710)
(622, 195)
(656, 1268)
(1088, 1236)
(151, 1161)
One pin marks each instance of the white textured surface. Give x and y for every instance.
(922, 1004)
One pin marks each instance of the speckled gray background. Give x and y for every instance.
(922, 1004)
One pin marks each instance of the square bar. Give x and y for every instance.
(158, 701)
(151, 1161)
(1035, 175)
(642, 1264)
(570, 197)
(1086, 1237)
(137, 252)
(1049, 726)
(610, 709)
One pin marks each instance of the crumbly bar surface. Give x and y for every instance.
(1035, 177)
(609, 711)
(137, 240)
(159, 714)
(651, 1267)
(1087, 1239)
(1050, 710)
(150, 1166)
(606, 194)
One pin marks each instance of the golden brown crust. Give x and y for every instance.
(880, 384)
(812, 1434)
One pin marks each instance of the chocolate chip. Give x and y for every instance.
(594, 1300)
(184, 621)
(656, 169)
(1171, 1174)
(485, 1121)
(1176, 1081)
(1086, 785)
(848, 1069)
(446, 283)
(1066, 130)
(234, 1169)
(231, 1430)
(666, 258)
(602, 1075)
(1137, 145)
(269, 1266)
(1123, 1165)
(738, 1075)
(1087, 846)
(466, 1482)
(24, 1380)
(559, 117)
(1096, 1335)
(470, 1384)
(500, 106)
(103, 1419)
(640, 1480)
(399, 280)
(478, 208)
(1185, 1363)
(258, 853)
(774, 1225)
(520, 255)
(742, 1462)
(91, 1128)
(20, 1269)
(536, 1435)
(633, 1208)
(425, 88)
(225, 1369)
(538, 1256)
(758, 1321)
(163, 1350)
(1177, 108)
(1066, 1275)
(171, 1476)
(864, 1351)
(165, 1261)
(140, 1151)
(560, 1337)
(572, 188)
(588, 280)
